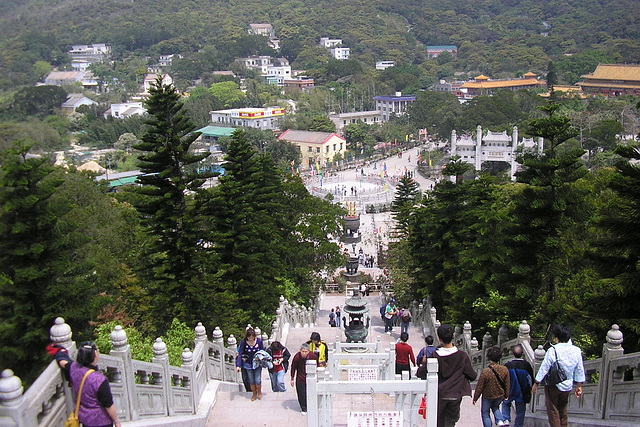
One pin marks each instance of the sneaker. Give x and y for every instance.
(505, 423)
(502, 423)
(303, 413)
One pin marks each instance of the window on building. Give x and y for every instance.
(310, 150)
(326, 149)
(317, 149)
(334, 147)
(341, 146)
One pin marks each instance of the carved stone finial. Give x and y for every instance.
(274, 328)
(467, 327)
(486, 340)
(474, 343)
(503, 333)
(60, 332)
(231, 341)
(187, 357)
(159, 348)
(437, 324)
(282, 298)
(118, 338)
(258, 331)
(278, 311)
(524, 329)
(539, 353)
(217, 334)
(201, 332)
(10, 389)
(614, 337)
(248, 326)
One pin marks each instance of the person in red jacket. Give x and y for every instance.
(454, 374)
(404, 355)
(299, 374)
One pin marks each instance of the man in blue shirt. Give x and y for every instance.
(570, 360)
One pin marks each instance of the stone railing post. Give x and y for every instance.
(539, 354)
(161, 358)
(391, 371)
(187, 362)
(474, 344)
(524, 331)
(487, 340)
(503, 335)
(120, 348)
(612, 349)
(60, 333)
(466, 332)
(232, 344)
(312, 394)
(201, 337)
(217, 342)
(275, 331)
(13, 409)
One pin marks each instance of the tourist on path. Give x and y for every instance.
(280, 358)
(299, 374)
(247, 349)
(493, 386)
(319, 347)
(404, 355)
(96, 402)
(338, 314)
(390, 312)
(405, 320)
(426, 351)
(569, 357)
(521, 378)
(454, 374)
(332, 318)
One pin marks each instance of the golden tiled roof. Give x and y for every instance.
(482, 77)
(496, 84)
(617, 72)
(530, 74)
(610, 85)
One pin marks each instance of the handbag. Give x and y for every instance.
(422, 410)
(556, 374)
(73, 421)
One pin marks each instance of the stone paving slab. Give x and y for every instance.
(281, 409)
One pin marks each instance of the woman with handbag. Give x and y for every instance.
(93, 401)
(561, 367)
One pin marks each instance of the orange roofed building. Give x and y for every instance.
(316, 148)
(483, 85)
(612, 80)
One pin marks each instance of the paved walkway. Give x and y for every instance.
(281, 409)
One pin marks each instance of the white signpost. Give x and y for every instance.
(363, 374)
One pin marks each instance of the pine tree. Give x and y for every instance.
(407, 196)
(163, 200)
(30, 298)
(551, 203)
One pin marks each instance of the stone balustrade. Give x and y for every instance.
(613, 380)
(140, 389)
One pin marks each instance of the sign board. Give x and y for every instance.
(375, 419)
(363, 374)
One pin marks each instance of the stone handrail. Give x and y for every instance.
(140, 389)
(612, 381)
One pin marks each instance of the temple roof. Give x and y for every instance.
(617, 72)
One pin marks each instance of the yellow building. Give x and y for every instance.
(483, 85)
(316, 148)
(612, 80)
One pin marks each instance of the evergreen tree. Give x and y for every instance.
(550, 204)
(618, 252)
(30, 296)
(407, 195)
(163, 202)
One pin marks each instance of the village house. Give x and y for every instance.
(389, 105)
(83, 55)
(301, 82)
(612, 80)
(74, 101)
(316, 148)
(70, 78)
(126, 109)
(258, 118)
(383, 65)
(343, 120)
(335, 47)
(435, 51)
(261, 30)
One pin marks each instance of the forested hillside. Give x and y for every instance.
(494, 37)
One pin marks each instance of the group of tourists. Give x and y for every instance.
(393, 316)
(252, 358)
(503, 387)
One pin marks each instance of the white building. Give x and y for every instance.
(150, 79)
(261, 30)
(340, 52)
(343, 120)
(328, 43)
(496, 147)
(259, 118)
(383, 65)
(83, 55)
(390, 105)
(126, 109)
(60, 78)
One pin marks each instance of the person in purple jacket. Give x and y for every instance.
(248, 347)
(96, 403)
